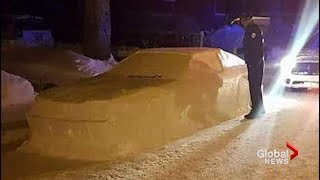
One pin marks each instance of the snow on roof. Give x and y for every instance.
(171, 61)
(27, 16)
(191, 50)
(314, 59)
(209, 56)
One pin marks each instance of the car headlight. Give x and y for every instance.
(287, 64)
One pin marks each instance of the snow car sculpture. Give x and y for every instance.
(151, 98)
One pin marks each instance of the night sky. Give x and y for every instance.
(66, 17)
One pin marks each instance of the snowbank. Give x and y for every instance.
(17, 95)
(152, 98)
(95, 67)
(51, 65)
(15, 90)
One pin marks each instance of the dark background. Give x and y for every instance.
(66, 17)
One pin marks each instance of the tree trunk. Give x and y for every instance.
(97, 29)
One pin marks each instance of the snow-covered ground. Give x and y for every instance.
(17, 97)
(225, 151)
(51, 66)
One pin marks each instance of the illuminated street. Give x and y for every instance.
(226, 151)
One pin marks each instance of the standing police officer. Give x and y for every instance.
(254, 58)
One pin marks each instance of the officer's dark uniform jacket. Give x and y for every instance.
(253, 51)
(253, 44)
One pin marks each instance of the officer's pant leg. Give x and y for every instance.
(255, 75)
(260, 70)
(251, 85)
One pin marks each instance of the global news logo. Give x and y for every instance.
(274, 157)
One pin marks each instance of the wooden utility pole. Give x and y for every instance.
(97, 29)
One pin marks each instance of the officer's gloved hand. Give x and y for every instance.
(240, 50)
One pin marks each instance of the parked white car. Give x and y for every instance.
(305, 73)
(26, 30)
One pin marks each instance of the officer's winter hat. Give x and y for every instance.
(246, 15)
